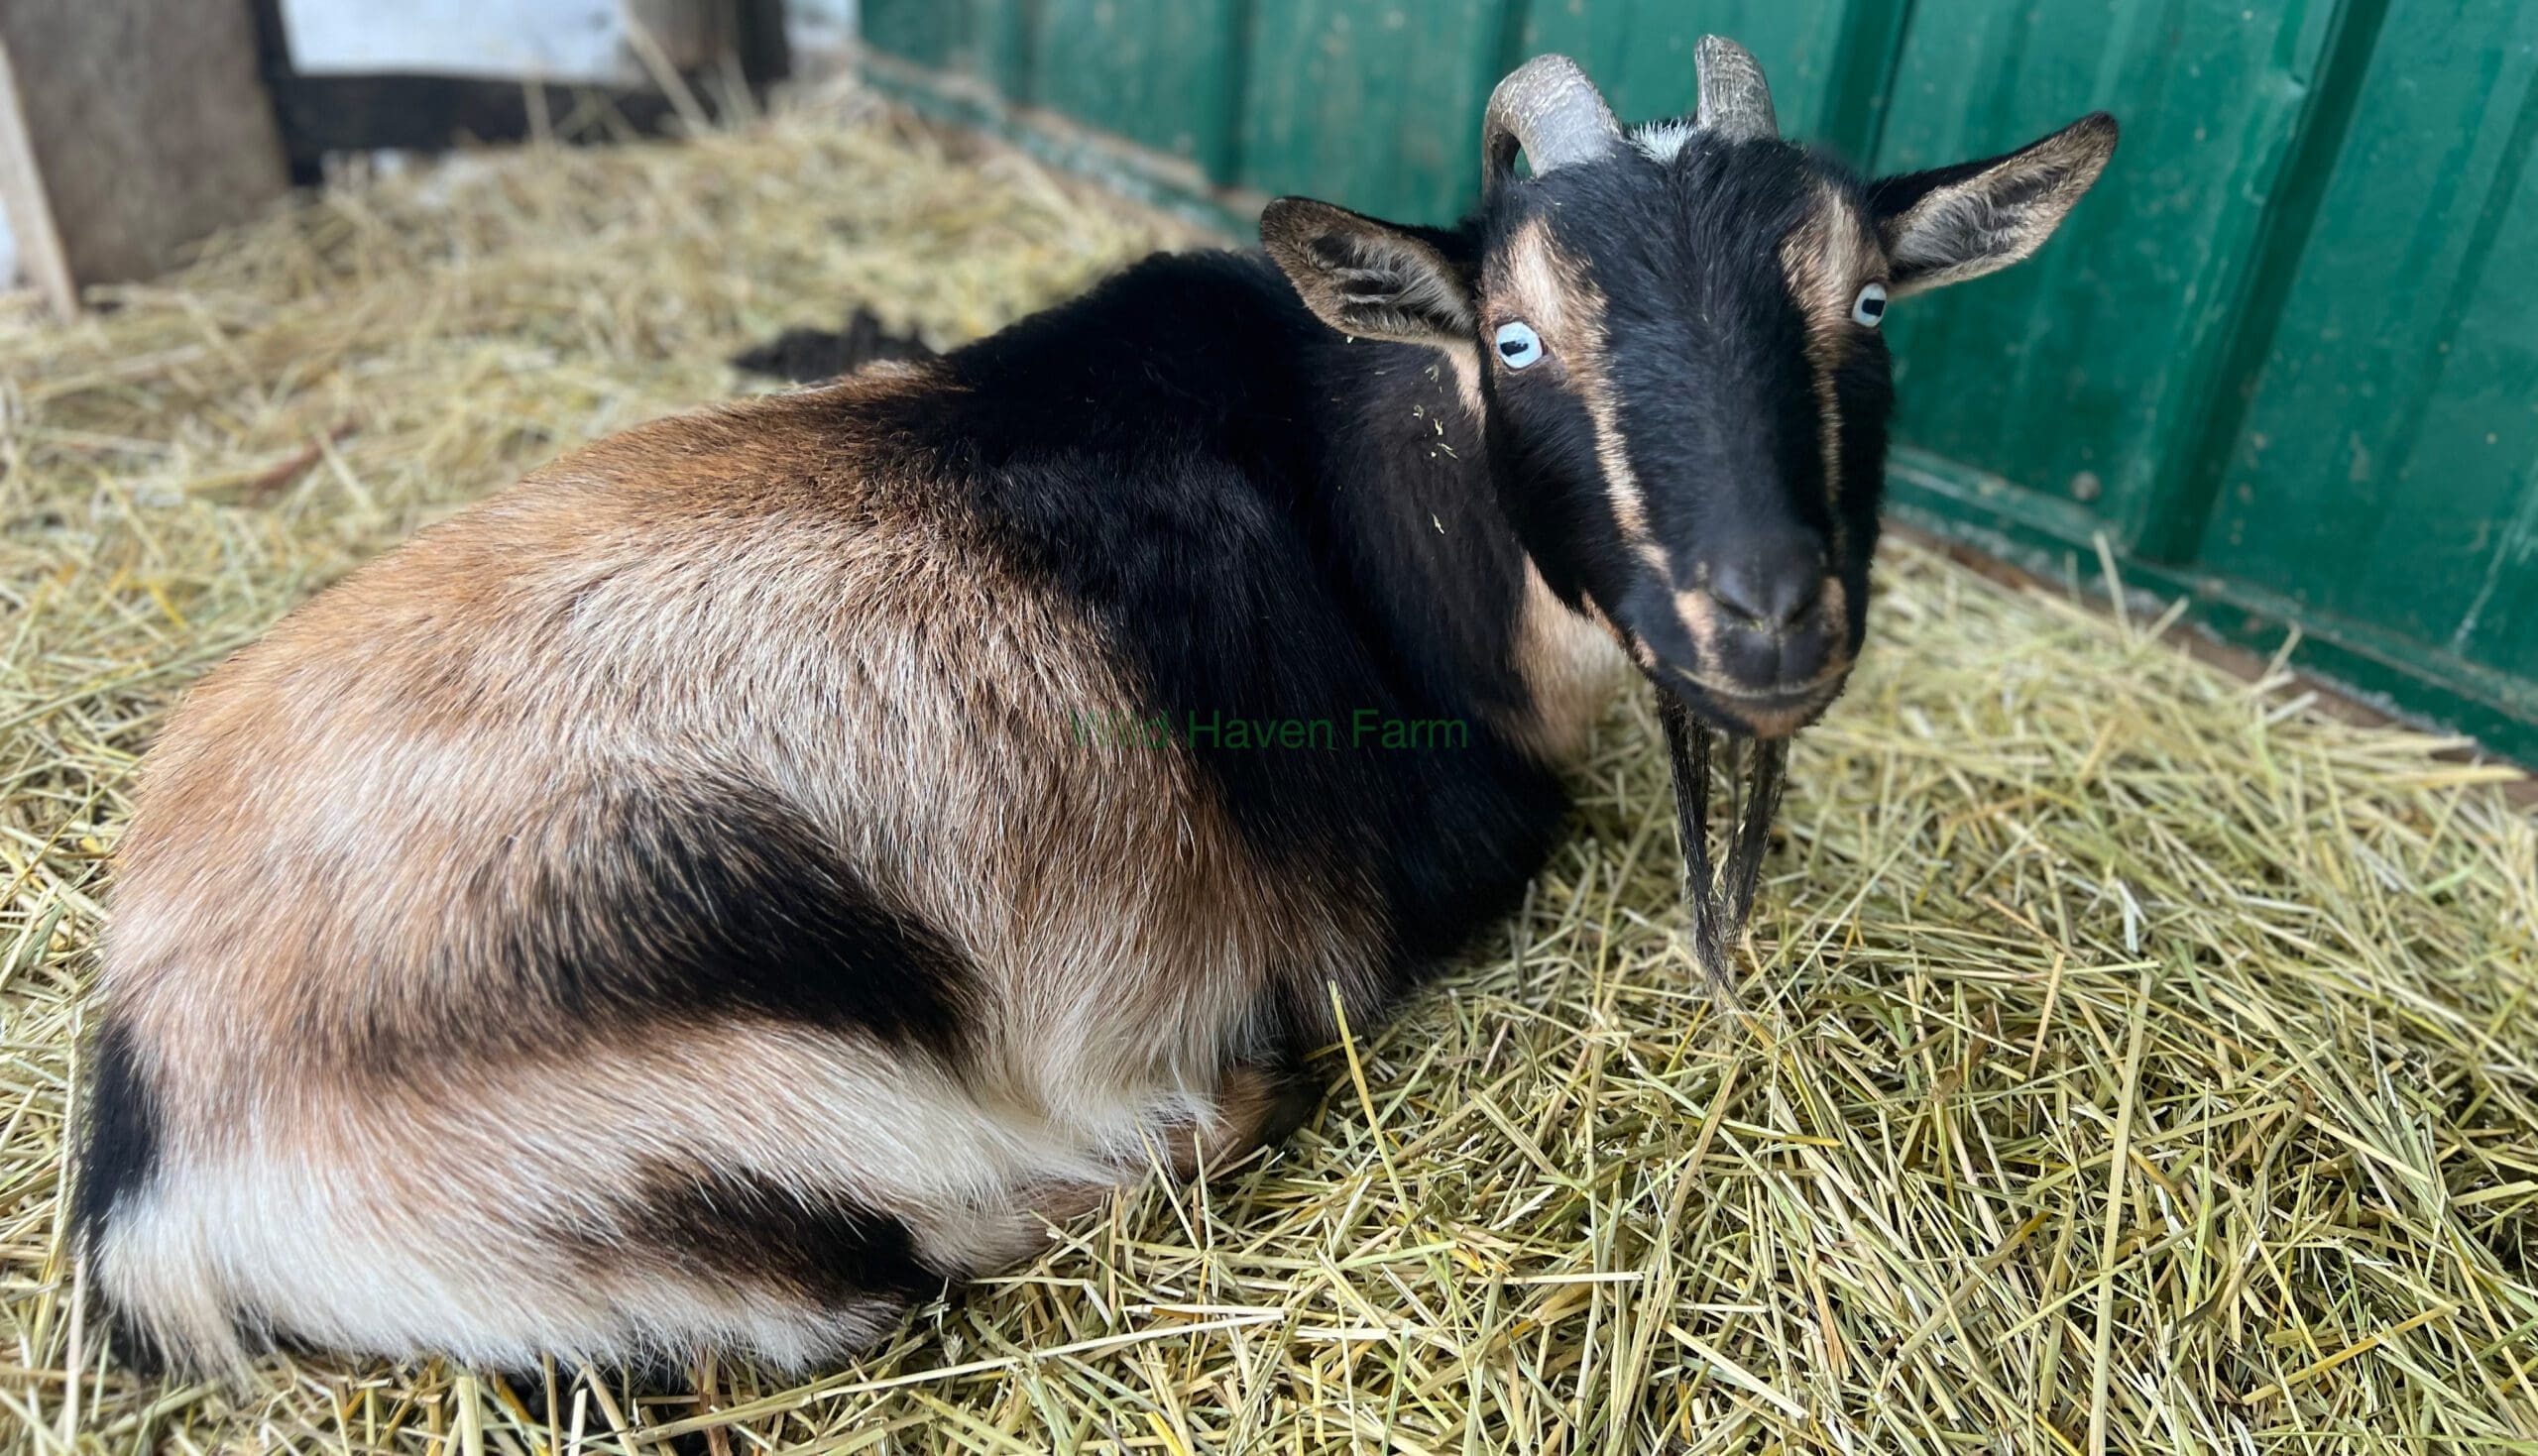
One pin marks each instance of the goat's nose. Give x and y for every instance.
(1771, 587)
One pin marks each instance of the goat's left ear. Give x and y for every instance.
(1368, 278)
(1960, 222)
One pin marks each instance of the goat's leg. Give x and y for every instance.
(1261, 1104)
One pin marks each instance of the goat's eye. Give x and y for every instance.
(1870, 310)
(1517, 344)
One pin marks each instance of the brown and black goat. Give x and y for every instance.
(761, 866)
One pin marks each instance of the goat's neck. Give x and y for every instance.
(1415, 516)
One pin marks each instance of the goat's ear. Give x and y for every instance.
(1367, 278)
(1960, 222)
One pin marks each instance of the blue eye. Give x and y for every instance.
(1517, 344)
(1870, 310)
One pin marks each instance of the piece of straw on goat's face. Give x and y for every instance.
(1684, 372)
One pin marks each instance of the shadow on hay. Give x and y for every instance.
(814, 356)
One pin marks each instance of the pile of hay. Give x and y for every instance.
(2137, 1060)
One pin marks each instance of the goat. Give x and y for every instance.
(697, 899)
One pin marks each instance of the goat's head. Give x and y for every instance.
(1673, 333)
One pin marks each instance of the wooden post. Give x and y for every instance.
(129, 128)
(689, 32)
(700, 35)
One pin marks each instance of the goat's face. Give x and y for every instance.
(1673, 335)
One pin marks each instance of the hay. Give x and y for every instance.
(2134, 1060)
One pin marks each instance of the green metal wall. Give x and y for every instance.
(2285, 360)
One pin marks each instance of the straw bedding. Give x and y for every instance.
(2130, 1059)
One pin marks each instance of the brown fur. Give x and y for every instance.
(593, 628)
(1572, 669)
(300, 949)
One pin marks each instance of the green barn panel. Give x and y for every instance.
(1374, 104)
(1164, 73)
(1001, 46)
(2074, 374)
(927, 32)
(2387, 471)
(987, 39)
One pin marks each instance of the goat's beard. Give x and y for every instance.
(1718, 902)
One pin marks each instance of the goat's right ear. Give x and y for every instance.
(1954, 223)
(1367, 278)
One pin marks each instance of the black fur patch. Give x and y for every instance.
(1269, 521)
(121, 1150)
(638, 903)
(1300, 1096)
(755, 1233)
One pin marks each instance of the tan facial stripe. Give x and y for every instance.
(1462, 361)
(1699, 616)
(1541, 286)
(1837, 609)
(1828, 259)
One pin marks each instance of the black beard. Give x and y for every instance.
(1718, 905)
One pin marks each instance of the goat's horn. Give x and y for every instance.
(1549, 110)
(1736, 103)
